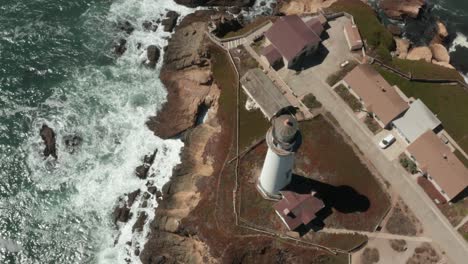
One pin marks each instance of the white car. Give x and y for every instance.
(387, 141)
(342, 65)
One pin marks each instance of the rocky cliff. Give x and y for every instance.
(399, 9)
(195, 3)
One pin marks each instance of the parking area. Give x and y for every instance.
(393, 151)
(333, 51)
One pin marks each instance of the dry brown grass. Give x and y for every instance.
(403, 222)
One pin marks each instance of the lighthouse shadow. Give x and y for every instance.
(344, 199)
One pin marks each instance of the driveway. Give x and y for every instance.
(395, 149)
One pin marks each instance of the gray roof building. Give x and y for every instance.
(264, 92)
(416, 121)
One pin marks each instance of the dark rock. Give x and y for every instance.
(150, 25)
(127, 27)
(158, 194)
(121, 214)
(140, 222)
(137, 252)
(195, 3)
(235, 10)
(262, 3)
(152, 53)
(138, 45)
(158, 260)
(48, 137)
(131, 197)
(120, 47)
(170, 21)
(152, 189)
(395, 30)
(226, 24)
(142, 170)
(144, 204)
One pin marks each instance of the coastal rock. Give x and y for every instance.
(170, 21)
(140, 222)
(399, 9)
(120, 47)
(394, 29)
(126, 27)
(443, 64)
(186, 49)
(152, 55)
(441, 30)
(142, 170)
(225, 24)
(195, 3)
(131, 197)
(48, 137)
(402, 47)
(440, 53)
(121, 214)
(150, 25)
(297, 7)
(420, 53)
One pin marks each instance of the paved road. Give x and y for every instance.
(434, 222)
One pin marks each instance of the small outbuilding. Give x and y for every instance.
(416, 121)
(297, 209)
(353, 37)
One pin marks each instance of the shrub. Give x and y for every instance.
(370, 255)
(408, 164)
(399, 245)
(349, 99)
(311, 102)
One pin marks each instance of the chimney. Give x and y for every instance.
(445, 156)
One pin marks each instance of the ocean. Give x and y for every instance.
(58, 68)
(454, 14)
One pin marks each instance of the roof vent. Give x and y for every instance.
(445, 156)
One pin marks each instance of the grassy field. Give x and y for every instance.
(425, 70)
(448, 102)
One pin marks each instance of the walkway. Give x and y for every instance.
(377, 235)
(434, 222)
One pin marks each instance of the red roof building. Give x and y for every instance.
(297, 209)
(293, 38)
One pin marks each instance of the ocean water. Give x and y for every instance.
(454, 14)
(57, 68)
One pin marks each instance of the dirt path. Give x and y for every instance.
(376, 234)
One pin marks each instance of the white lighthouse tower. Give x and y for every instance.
(283, 139)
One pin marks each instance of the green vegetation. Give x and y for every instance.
(425, 70)
(349, 99)
(461, 157)
(372, 125)
(340, 74)
(408, 164)
(448, 102)
(253, 25)
(253, 125)
(311, 102)
(226, 79)
(372, 31)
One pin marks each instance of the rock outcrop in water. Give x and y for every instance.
(399, 9)
(48, 137)
(195, 3)
(152, 55)
(170, 21)
(142, 170)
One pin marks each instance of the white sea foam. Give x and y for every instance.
(460, 41)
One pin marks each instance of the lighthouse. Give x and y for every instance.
(283, 140)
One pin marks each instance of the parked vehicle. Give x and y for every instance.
(342, 65)
(387, 141)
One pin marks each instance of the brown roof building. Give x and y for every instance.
(297, 209)
(442, 167)
(292, 38)
(352, 36)
(315, 25)
(377, 94)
